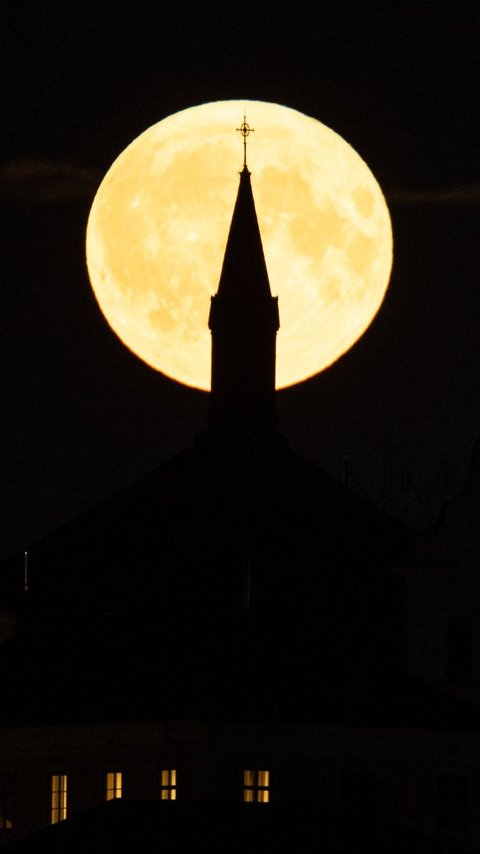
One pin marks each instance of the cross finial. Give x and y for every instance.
(245, 130)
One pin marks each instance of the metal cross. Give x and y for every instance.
(245, 130)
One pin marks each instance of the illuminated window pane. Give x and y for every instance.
(256, 787)
(168, 784)
(6, 785)
(248, 778)
(113, 785)
(263, 778)
(58, 798)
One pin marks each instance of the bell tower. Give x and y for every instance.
(243, 321)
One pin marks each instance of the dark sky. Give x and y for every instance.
(80, 415)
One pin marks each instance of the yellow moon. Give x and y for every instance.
(159, 222)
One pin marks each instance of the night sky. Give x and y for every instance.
(80, 415)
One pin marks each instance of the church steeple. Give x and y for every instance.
(244, 271)
(244, 321)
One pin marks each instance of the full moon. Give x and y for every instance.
(159, 223)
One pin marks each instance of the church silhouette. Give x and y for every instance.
(217, 655)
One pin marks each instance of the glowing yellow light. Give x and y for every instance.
(114, 785)
(256, 787)
(58, 799)
(168, 784)
(158, 227)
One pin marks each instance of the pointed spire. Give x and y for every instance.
(244, 272)
(244, 322)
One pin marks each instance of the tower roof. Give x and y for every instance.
(244, 274)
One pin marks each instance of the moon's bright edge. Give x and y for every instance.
(159, 222)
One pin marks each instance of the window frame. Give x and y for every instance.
(59, 810)
(167, 784)
(257, 784)
(114, 791)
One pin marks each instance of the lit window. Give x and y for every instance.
(5, 802)
(113, 787)
(256, 787)
(58, 791)
(168, 785)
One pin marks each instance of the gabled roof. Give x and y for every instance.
(148, 590)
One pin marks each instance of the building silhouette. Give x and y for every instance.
(226, 654)
(244, 321)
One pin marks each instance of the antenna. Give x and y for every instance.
(25, 571)
(245, 130)
(249, 582)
